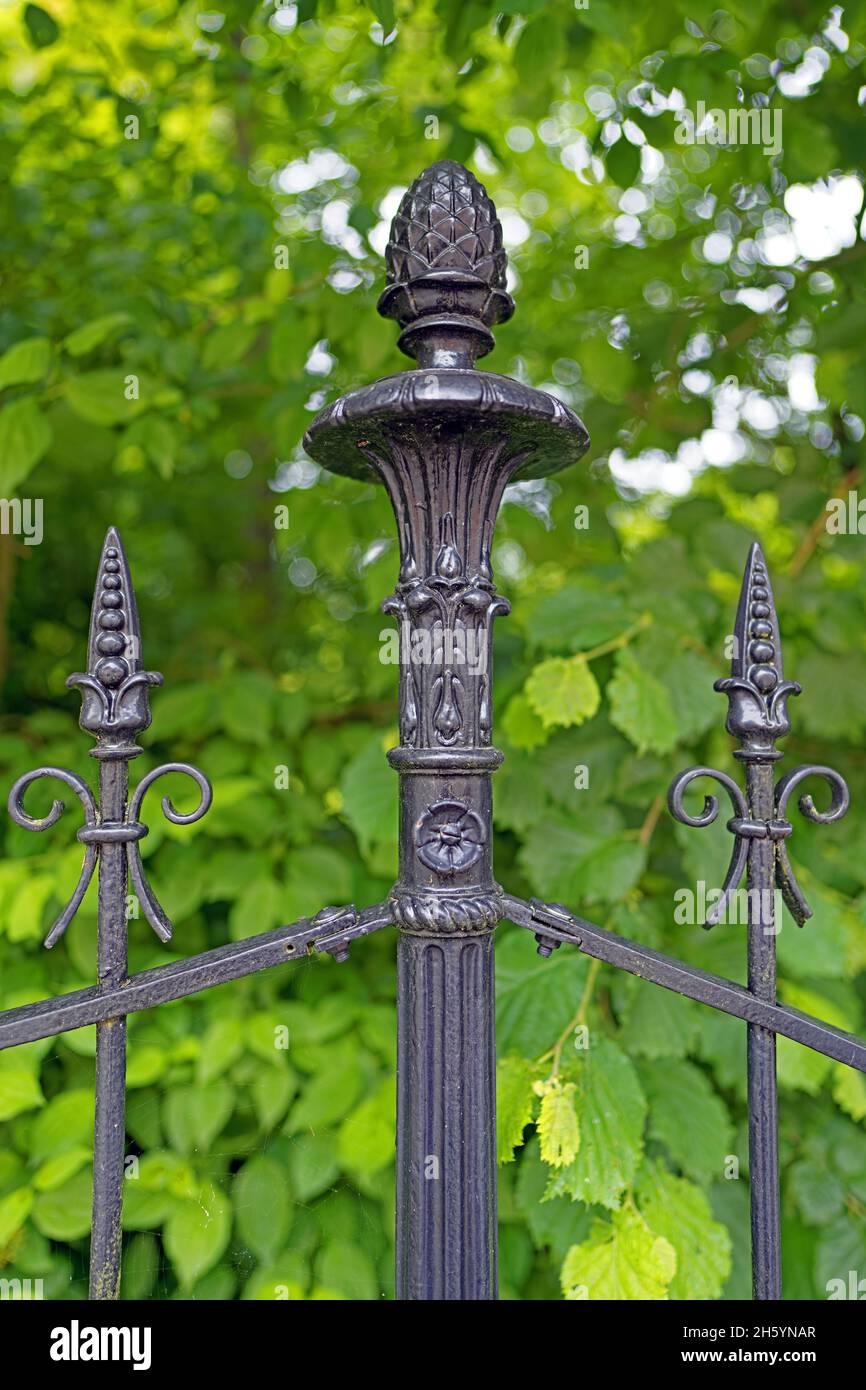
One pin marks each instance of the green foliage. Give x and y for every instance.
(194, 216)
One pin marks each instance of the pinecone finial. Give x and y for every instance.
(446, 269)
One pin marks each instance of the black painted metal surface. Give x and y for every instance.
(445, 439)
(114, 711)
(758, 716)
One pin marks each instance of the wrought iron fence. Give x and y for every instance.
(445, 439)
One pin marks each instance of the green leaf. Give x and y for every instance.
(65, 1123)
(342, 1266)
(104, 397)
(640, 707)
(328, 1096)
(818, 1192)
(609, 871)
(25, 362)
(246, 707)
(679, 1211)
(535, 998)
(272, 1091)
(522, 725)
(19, 1089)
(95, 332)
(227, 345)
(563, 690)
(197, 1233)
(259, 907)
(575, 617)
(622, 1260)
(622, 162)
(384, 12)
(558, 1128)
(41, 26)
(57, 1170)
(64, 1213)
(313, 1165)
(221, 1045)
(25, 435)
(369, 794)
(263, 1212)
(365, 1141)
(538, 51)
(194, 1115)
(515, 1104)
(14, 1210)
(555, 1224)
(688, 1117)
(659, 1023)
(849, 1091)
(611, 1110)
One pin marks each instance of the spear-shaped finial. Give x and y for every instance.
(114, 700)
(757, 713)
(757, 717)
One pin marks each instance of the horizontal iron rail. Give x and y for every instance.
(65, 1012)
(689, 980)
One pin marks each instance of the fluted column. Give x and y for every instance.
(446, 1119)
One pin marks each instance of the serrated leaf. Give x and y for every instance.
(817, 1190)
(680, 1211)
(535, 998)
(555, 1224)
(609, 871)
(688, 1117)
(558, 1128)
(611, 1110)
(563, 690)
(640, 706)
(622, 1260)
(659, 1023)
(515, 1104)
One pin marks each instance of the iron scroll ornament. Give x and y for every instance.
(114, 711)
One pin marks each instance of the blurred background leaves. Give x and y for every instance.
(192, 229)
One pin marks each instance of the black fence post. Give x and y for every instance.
(115, 709)
(446, 439)
(757, 718)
